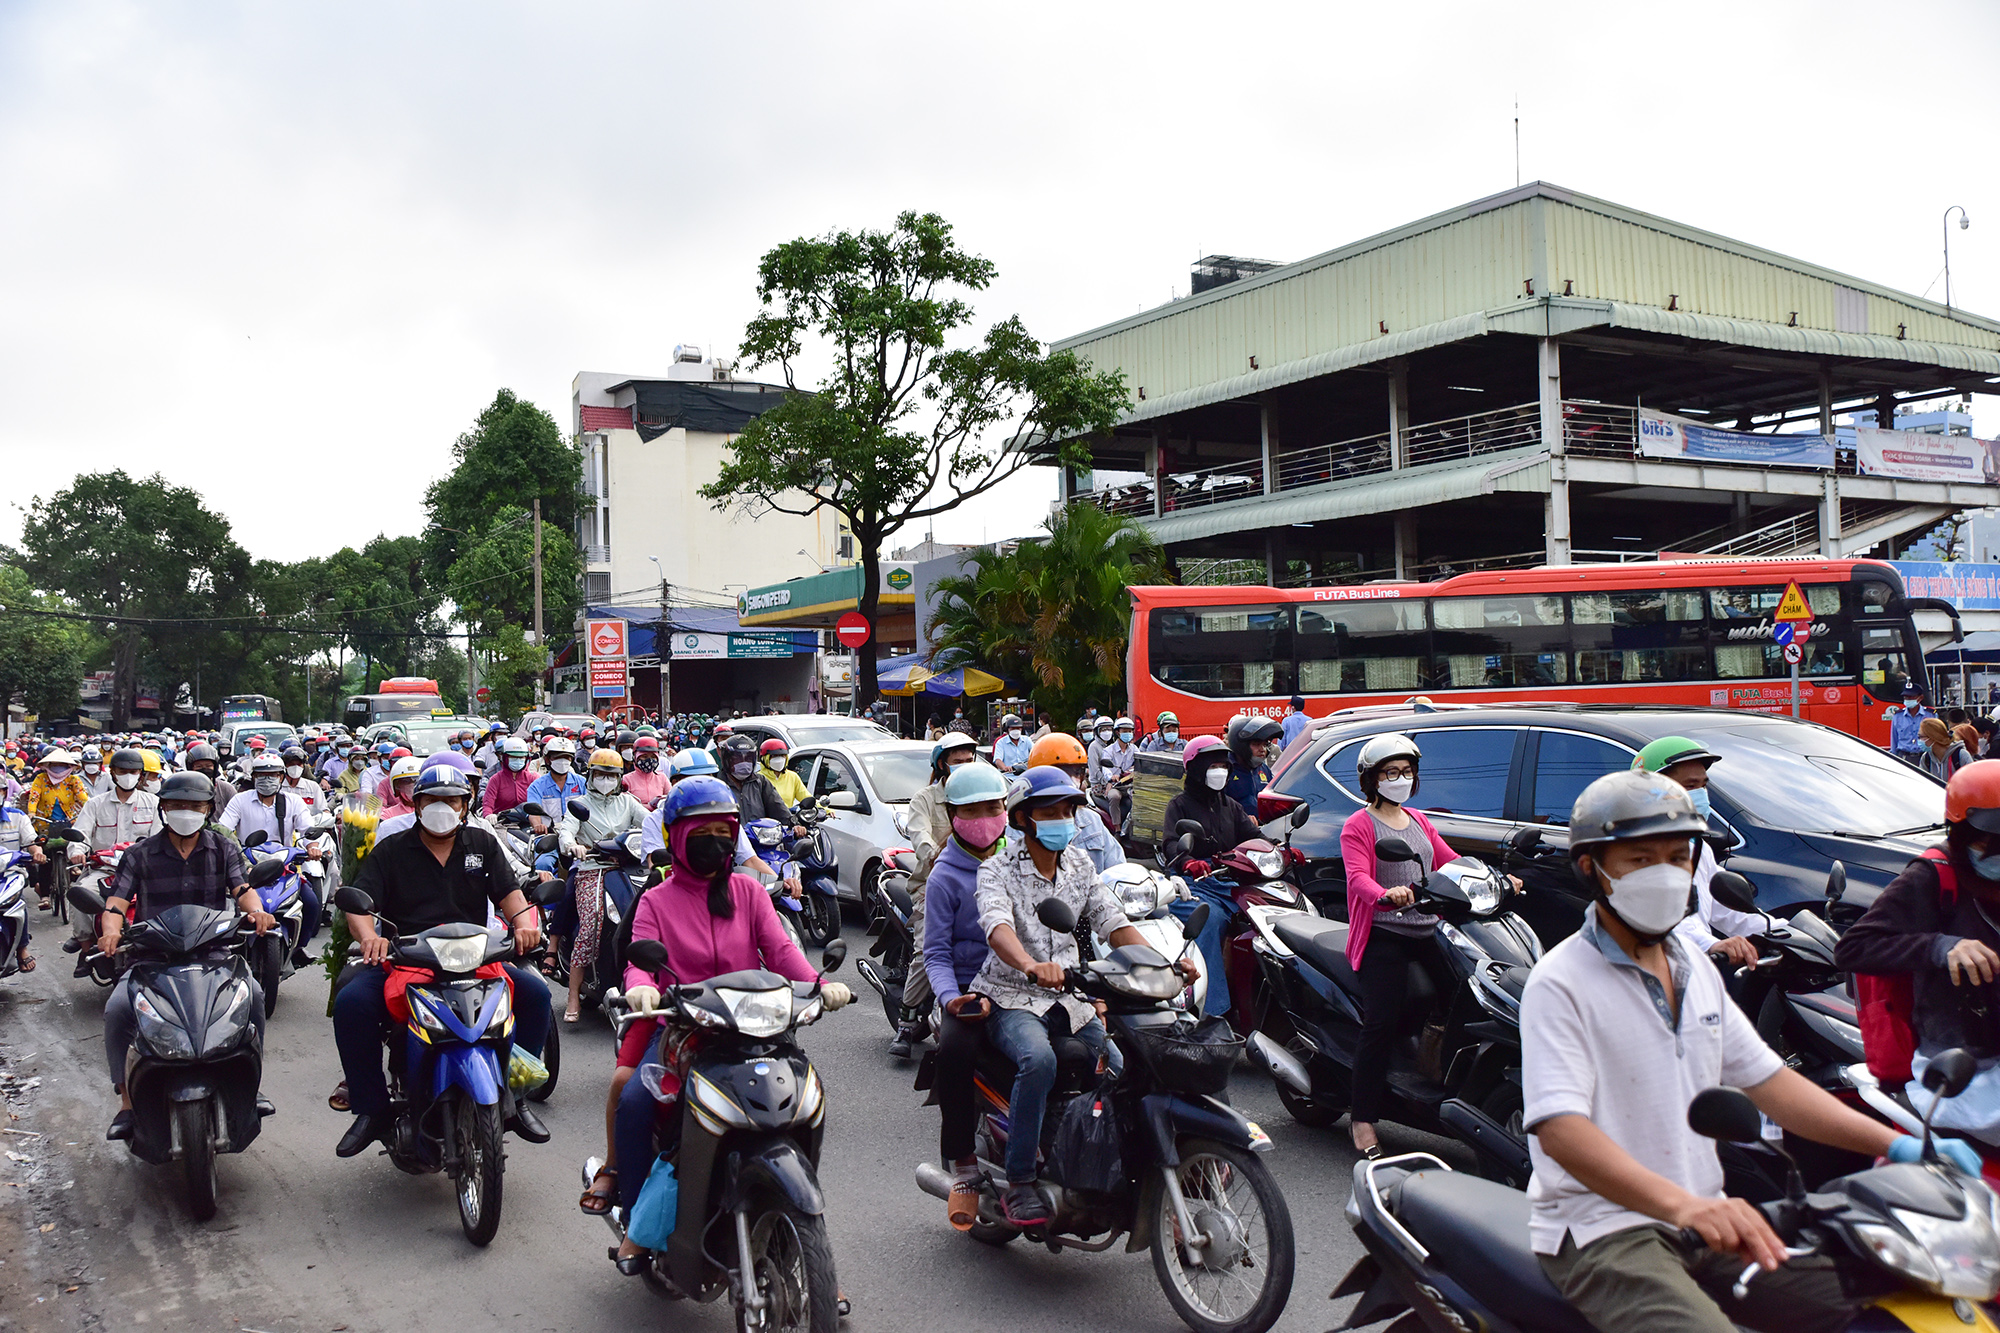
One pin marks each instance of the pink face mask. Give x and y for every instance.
(981, 832)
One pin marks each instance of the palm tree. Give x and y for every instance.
(1053, 612)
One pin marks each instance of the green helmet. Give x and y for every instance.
(1667, 751)
(1621, 806)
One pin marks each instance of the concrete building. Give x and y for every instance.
(649, 445)
(1486, 387)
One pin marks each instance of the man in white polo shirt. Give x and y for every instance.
(1621, 1026)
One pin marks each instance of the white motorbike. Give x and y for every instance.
(1147, 895)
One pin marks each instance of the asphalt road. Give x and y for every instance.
(91, 1238)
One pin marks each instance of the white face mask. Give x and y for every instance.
(777, 763)
(91, 766)
(1395, 789)
(1013, 733)
(559, 766)
(1217, 778)
(604, 785)
(357, 763)
(439, 818)
(516, 765)
(1652, 899)
(294, 771)
(125, 781)
(184, 822)
(152, 784)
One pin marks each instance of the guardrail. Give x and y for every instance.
(1470, 436)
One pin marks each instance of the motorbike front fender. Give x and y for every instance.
(473, 1069)
(1169, 1117)
(780, 1167)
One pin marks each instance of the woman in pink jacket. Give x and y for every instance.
(712, 922)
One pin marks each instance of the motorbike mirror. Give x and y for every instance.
(1189, 828)
(256, 839)
(1300, 814)
(548, 892)
(1836, 882)
(842, 800)
(807, 802)
(85, 900)
(835, 955)
(1725, 1114)
(1057, 915)
(548, 842)
(533, 808)
(353, 901)
(1186, 844)
(324, 826)
(266, 872)
(578, 811)
(649, 954)
(659, 856)
(1733, 891)
(1949, 1073)
(1394, 849)
(1196, 920)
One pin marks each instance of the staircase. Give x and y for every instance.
(1863, 524)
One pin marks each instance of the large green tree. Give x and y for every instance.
(909, 422)
(1053, 612)
(41, 656)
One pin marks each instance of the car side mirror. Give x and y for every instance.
(1196, 920)
(256, 839)
(578, 811)
(649, 954)
(835, 955)
(1057, 915)
(1733, 891)
(266, 872)
(843, 800)
(1725, 1114)
(1949, 1073)
(1394, 849)
(353, 901)
(533, 808)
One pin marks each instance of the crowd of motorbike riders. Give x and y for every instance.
(1622, 1024)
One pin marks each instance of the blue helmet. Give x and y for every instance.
(1039, 786)
(972, 783)
(443, 779)
(697, 797)
(692, 763)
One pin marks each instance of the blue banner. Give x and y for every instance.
(1967, 587)
(1665, 436)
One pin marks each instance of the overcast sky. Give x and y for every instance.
(285, 253)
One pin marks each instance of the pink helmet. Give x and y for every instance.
(1200, 746)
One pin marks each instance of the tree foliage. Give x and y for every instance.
(1053, 612)
(41, 658)
(908, 423)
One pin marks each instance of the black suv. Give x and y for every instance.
(1790, 797)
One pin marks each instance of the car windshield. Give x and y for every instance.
(897, 775)
(856, 731)
(425, 741)
(1814, 781)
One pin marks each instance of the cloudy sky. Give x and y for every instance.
(285, 253)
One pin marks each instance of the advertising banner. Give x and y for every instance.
(1917, 456)
(1967, 587)
(607, 677)
(690, 646)
(1664, 436)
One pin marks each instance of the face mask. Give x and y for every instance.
(1124, 737)
(405, 792)
(1985, 865)
(559, 767)
(647, 763)
(1217, 778)
(1395, 789)
(1170, 734)
(516, 765)
(91, 769)
(1699, 795)
(267, 786)
(742, 770)
(708, 854)
(1910, 704)
(627, 754)
(357, 763)
(777, 763)
(385, 762)
(1013, 733)
(295, 771)
(604, 786)
(1055, 834)
(439, 818)
(985, 830)
(184, 822)
(1653, 899)
(58, 774)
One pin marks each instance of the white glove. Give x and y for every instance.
(835, 995)
(643, 999)
(578, 851)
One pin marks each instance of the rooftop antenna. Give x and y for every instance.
(1517, 141)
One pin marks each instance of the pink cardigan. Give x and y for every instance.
(700, 947)
(1357, 854)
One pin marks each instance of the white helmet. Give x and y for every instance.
(560, 745)
(406, 767)
(1381, 749)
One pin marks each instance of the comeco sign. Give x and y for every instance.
(607, 638)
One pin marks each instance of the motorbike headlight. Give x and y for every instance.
(10, 889)
(1271, 865)
(1155, 983)
(1139, 898)
(1483, 893)
(758, 1013)
(766, 837)
(463, 954)
(1962, 1252)
(162, 1032)
(503, 1013)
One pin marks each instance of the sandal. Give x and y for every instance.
(338, 1099)
(572, 1015)
(962, 1207)
(632, 1264)
(595, 1203)
(27, 962)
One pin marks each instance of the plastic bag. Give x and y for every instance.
(652, 1221)
(525, 1072)
(1087, 1146)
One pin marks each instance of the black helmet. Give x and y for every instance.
(293, 754)
(186, 787)
(127, 757)
(1254, 729)
(736, 747)
(198, 753)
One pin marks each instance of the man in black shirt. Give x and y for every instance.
(185, 864)
(439, 871)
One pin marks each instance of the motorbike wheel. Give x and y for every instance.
(270, 962)
(479, 1168)
(552, 1059)
(792, 1263)
(820, 919)
(995, 1234)
(1244, 1278)
(1305, 1110)
(59, 880)
(191, 1125)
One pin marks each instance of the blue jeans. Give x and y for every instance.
(1221, 906)
(361, 1014)
(633, 1137)
(1024, 1037)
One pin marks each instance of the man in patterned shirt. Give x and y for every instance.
(1023, 976)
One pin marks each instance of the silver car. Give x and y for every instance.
(865, 786)
(808, 730)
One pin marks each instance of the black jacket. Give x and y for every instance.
(756, 798)
(1910, 930)
(1223, 820)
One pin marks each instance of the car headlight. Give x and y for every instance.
(162, 1032)
(1271, 865)
(1963, 1252)
(463, 954)
(758, 1013)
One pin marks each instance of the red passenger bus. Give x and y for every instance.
(1677, 632)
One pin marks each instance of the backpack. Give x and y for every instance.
(1886, 1004)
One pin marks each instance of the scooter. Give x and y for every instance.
(449, 1100)
(889, 911)
(818, 866)
(1148, 897)
(1176, 1170)
(14, 876)
(1308, 999)
(94, 879)
(1449, 1252)
(284, 898)
(196, 1058)
(616, 858)
(750, 1216)
(1254, 873)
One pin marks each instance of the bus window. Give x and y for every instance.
(1499, 641)
(1640, 636)
(1350, 647)
(1742, 624)
(1883, 665)
(1223, 652)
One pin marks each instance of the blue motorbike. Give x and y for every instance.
(811, 857)
(13, 910)
(285, 898)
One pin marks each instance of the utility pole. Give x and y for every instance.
(471, 676)
(664, 645)
(541, 643)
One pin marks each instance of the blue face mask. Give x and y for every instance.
(1699, 796)
(1986, 865)
(1055, 834)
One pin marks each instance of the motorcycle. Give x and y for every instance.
(615, 858)
(196, 1059)
(1148, 897)
(284, 898)
(449, 1100)
(750, 1213)
(890, 907)
(1450, 1056)
(1448, 1252)
(94, 879)
(14, 876)
(1186, 1180)
(1254, 873)
(812, 857)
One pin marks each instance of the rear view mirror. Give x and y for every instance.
(1725, 1114)
(1394, 849)
(1196, 920)
(835, 955)
(578, 811)
(1733, 891)
(84, 900)
(842, 800)
(660, 856)
(1057, 915)
(353, 901)
(1186, 844)
(533, 808)
(1300, 814)
(547, 843)
(257, 839)
(649, 954)
(1949, 1073)
(548, 892)
(807, 802)
(1836, 882)
(266, 872)
(1190, 827)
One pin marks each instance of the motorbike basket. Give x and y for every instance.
(1195, 1059)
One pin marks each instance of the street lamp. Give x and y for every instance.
(1963, 223)
(823, 568)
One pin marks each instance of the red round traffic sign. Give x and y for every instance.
(483, 692)
(852, 629)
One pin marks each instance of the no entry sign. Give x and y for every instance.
(852, 629)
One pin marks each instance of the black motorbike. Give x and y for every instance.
(1448, 1252)
(196, 1059)
(449, 1101)
(618, 888)
(750, 1214)
(890, 907)
(1178, 1169)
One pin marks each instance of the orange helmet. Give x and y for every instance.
(1058, 747)
(1973, 796)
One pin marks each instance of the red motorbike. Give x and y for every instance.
(1254, 873)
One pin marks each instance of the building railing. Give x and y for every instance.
(1470, 436)
(1315, 464)
(596, 555)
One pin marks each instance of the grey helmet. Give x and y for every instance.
(187, 786)
(1630, 804)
